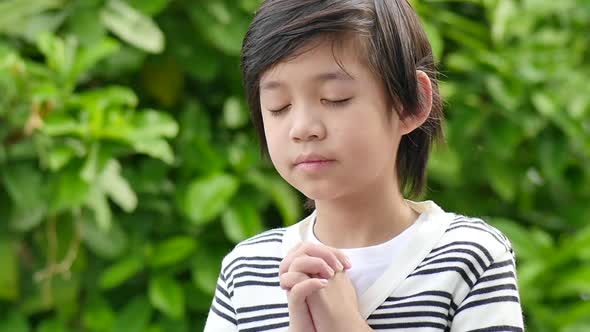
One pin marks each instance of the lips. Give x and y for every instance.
(311, 159)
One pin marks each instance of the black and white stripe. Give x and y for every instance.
(428, 309)
(469, 274)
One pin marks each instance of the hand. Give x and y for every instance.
(335, 307)
(304, 271)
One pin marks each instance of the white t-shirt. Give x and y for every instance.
(369, 263)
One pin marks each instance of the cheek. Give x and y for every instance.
(275, 145)
(370, 145)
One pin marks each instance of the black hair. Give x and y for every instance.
(394, 45)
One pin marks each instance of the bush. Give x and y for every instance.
(128, 166)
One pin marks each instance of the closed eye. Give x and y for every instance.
(340, 102)
(278, 112)
(334, 103)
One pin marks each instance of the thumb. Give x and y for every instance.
(299, 315)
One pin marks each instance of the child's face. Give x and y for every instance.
(328, 115)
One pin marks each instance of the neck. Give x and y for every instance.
(368, 217)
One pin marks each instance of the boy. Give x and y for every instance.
(344, 96)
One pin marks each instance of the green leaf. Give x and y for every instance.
(66, 296)
(14, 321)
(60, 156)
(573, 282)
(97, 201)
(71, 191)
(195, 56)
(444, 166)
(15, 11)
(9, 278)
(221, 25)
(205, 272)
(51, 325)
(97, 314)
(235, 114)
(241, 220)
(23, 184)
(91, 167)
(135, 317)
(107, 244)
(33, 26)
(103, 98)
(172, 251)
(166, 295)
(571, 246)
(575, 319)
(120, 272)
(151, 7)
(132, 26)
(283, 195)
(177, 325)
(154, 328)
(153, 124)
(436, 40)
(117, 187)
(60, 125)
(524, 245)
(502, 14)
(89, 56)
(197, 299)
(156, 148)
(249, 6)
(85, 24)
(242, 154)
(24, 219)
(287, 200)
(206, 198)
(502, 180)
(59, 55)
(544, 104)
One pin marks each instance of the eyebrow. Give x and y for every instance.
(321, 77)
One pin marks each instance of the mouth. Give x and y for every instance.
(314, 165)
(311, 161)
(310, 158)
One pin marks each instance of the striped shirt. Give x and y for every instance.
(457, 274)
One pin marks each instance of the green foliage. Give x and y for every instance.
(518, 140)
(128, 167)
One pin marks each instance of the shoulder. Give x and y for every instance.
(477, 234)
(468, 250)
(264, 248)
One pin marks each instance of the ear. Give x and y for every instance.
(409, 122)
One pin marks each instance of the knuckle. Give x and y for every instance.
(296, 290)
(307, 246)
(283, 279)
(283, 267)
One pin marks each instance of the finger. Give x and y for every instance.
(290, 279)
(299, 292)
(311, 266)
(294, 252)
(334, 257)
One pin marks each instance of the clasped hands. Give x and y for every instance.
(321, 298)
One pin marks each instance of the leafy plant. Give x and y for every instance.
(128, 167)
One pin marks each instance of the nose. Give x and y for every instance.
(306, 125)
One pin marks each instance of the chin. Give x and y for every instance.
(320, 193)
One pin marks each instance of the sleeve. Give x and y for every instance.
(493, 303)
(222, 315)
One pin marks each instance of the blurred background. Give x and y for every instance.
(129, 167)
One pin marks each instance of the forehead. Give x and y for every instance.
(319, 60)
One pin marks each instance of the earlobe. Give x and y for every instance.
(412, 121)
